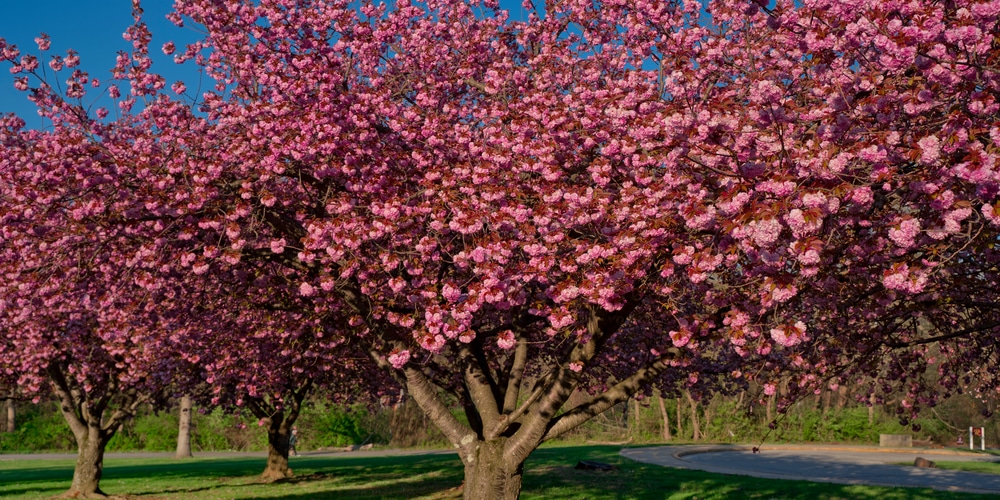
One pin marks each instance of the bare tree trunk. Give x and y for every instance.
(871, 410)
(695, 425)
(770, 408)
(184, 429)
(680, 428)
(666, 418)
(707, 419)
(636, 421)
(11, 416)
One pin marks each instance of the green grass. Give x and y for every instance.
(549, 474)
(986, 467)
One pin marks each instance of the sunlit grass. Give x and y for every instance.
(985, 467)
(549, 474)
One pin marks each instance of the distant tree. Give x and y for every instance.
(184, 427)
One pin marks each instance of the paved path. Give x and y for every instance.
(830, 464)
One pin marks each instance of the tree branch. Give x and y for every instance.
(601, 403)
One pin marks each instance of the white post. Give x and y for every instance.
(972, 440)
(982, 438)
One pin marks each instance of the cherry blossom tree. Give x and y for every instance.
(598, 196)
(71, 319)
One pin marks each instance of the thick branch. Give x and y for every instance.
(602, 402)
(426, 396)
(516, 375)
(931, 340)
(68, 405)
(480, 387)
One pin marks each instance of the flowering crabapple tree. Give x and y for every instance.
(601, 197)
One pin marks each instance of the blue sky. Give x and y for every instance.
(94, 29)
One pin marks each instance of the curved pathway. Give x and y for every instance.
(830, 464)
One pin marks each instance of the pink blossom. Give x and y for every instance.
(766, 232)
(399, 358)
(990, 212)
(904, 234)
(506, 340)
(901, 278)
(930, 149)
(451, 293)
(306, 289)
(789, 335)
(278, 246)
(576, 366)
(43, 42)
(769, 389)
(680, 338)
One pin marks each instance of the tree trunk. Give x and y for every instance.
(707, 420)
(277, 451)
(770, 409)
(489, 475)
(11, 416)
(680, 428)
(695, 425)
(666, 419)
(279, 419)
(89, 463)
(636, 428)
(184, 429)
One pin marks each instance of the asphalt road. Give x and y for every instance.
(831, 464)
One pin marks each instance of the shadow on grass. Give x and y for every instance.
(549, 474)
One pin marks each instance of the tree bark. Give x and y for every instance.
(11, 416)
(680, 428)
(279, 421)
(666, 419)
(636, 420)
(695, 425)
(184, 429)
(278, 433)
(490, 475)
(89, 463)
(769, 413)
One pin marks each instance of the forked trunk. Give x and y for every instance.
(279, 421)
(489, 475)
(89, 463)
(184, 429)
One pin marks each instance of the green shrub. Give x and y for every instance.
(39, 427)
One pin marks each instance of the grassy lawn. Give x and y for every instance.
(985, 467)
(549, 474)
